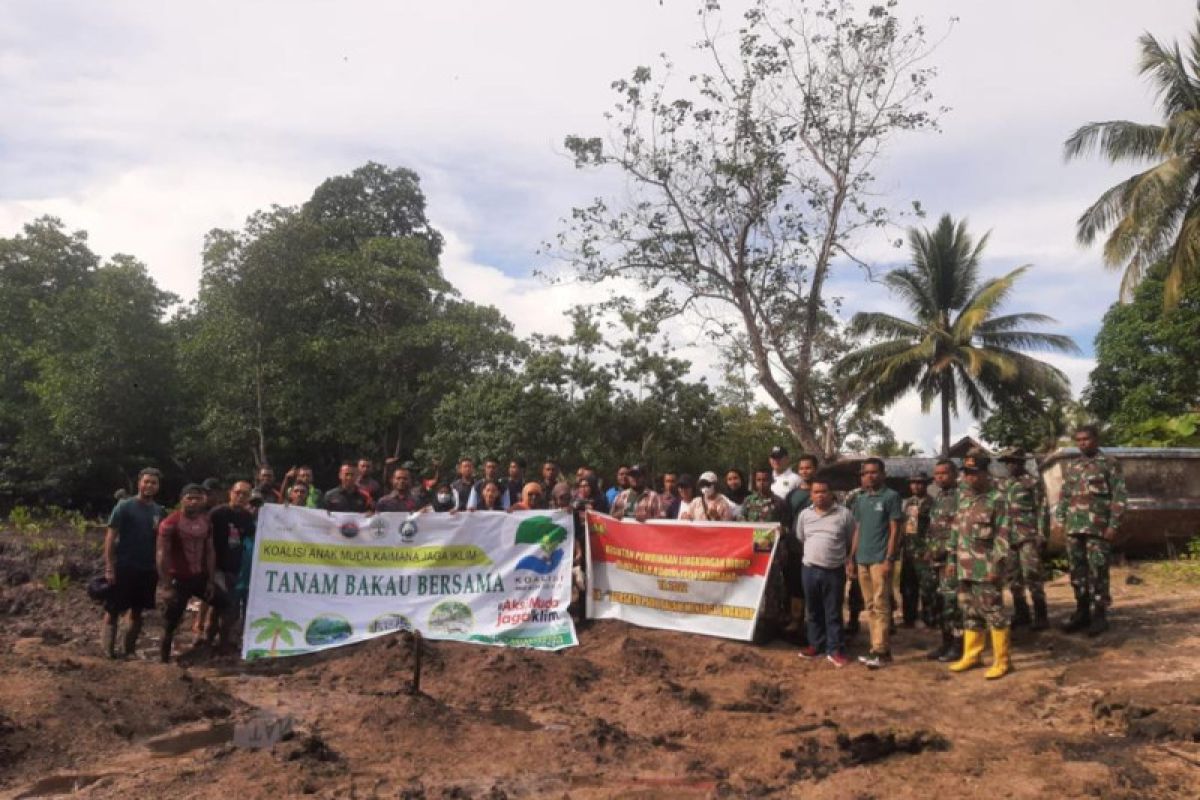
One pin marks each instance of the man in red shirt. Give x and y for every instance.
(186, 561)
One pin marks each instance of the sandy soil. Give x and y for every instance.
(629, 713)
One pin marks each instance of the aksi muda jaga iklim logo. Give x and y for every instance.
(549, 538)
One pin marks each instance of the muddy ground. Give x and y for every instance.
(629, 713)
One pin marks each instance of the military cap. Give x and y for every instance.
(976, 461)
(918, 477)
(1013, 454)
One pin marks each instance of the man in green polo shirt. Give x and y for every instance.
(877, 513)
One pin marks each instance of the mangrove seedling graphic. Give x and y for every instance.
(327, 629)
(450, 616)
(543, 532)
(764, 539)
(275, 627)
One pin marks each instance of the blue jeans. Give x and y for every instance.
(823, 592)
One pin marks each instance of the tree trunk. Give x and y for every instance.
(945, 419)
(258, 398)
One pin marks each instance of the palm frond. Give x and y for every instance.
(874, 323)
(983, 302)
(1184, 259)
(1165, 68)
(1010, 321)
(1029, 340)
(1118, 140)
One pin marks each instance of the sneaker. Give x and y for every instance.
(874, 661)
(837, 659)
(809, 652)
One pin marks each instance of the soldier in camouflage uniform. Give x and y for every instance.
(981, 546)
(916, 529)
(763, 506)
(1089, 513)
(938, 578)
(1025, 504)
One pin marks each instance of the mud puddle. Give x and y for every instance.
(178, 744)
(53, 785)
(512, 719)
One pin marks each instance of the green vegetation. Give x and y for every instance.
(1146, 384)
(58, 582)
(955, 345)
(275, 628)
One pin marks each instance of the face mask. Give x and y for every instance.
(709, 491)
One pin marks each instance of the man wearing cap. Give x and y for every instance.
(186, 562)
(1024, 494)
(877, 513)
(917, 507)
(785, 479)
(638, 501)
(710, 504)
(1089, 513)
(982, 547)
(939, 578)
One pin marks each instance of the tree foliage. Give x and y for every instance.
(1154, 215)
(955, 347)
(750, 183)
(1146, 358)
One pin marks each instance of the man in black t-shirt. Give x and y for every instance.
(347, 496)
(230, 524)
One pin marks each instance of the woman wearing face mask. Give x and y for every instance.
(710, 505)
(444, 498)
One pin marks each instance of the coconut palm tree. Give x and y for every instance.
(954, 346)
(1156, 213)
(275, 627)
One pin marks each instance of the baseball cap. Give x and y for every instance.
(779, 451)
(637, 469)
(918, 477)
(708, 477)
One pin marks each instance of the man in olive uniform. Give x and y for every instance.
(939, 579)
(916, 510)
(1089, 513)
(1024, 493)
(981, 546)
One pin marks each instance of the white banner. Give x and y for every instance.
(699, 577)
(323, 579)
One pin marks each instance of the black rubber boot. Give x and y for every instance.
(1099, 623)
(947, 644)
(164, 648)
(1041, 617)
(1020, 617)
(1080, 619)
(108, 639)
(955, 651)
(131, 636)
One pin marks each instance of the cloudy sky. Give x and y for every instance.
(147, 124)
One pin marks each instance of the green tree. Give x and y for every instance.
(955, 346)
(329, 330)
(1032, 422)
(1146, 358)
(275, 627)
(751, 181)
(87, 367)
(1154, 215)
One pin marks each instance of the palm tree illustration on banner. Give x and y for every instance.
(275, 627)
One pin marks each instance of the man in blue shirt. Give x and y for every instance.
(129, 568)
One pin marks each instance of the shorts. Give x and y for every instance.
(134, 590)
(185, 590)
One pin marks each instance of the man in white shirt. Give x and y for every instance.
(784, 479)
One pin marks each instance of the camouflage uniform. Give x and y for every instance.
(1024, 495)
(940, 577)
(981, 543)
(855, 601)
(916, 588)
(1093, 500)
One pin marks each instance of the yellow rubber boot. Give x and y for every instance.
(1001, 664)
(972, 650)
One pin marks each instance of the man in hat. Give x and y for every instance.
(1089, 513)
(917, 507)
(982, 546)
(1024, 493)
(186, 562)
(785, 478)
(638, 501)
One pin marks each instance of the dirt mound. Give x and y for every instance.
(1167, 711)
(61, 708)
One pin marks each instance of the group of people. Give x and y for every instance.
(952, 553)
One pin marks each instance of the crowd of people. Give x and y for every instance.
(951, 553)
